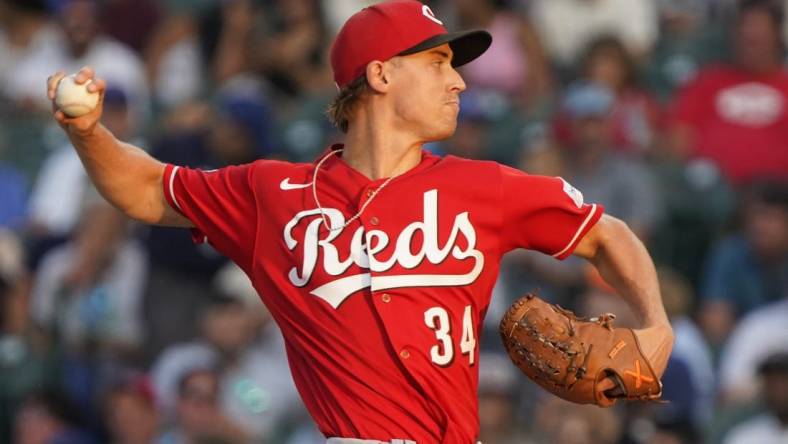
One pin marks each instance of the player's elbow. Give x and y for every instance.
(146, 203)
(614, 230)
(615, 227)
(607, 231)
(156, 211)
(145, 211)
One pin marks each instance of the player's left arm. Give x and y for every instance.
(623, 262)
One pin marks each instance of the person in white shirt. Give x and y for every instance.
(632, 21)
(79, 43)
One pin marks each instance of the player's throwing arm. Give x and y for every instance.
(124, 174)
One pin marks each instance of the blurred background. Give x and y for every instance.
(672, 113)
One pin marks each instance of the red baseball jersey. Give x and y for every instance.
(381, 318)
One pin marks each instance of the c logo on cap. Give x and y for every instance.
(429, 14)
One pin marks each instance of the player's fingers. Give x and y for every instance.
(84, 74)
(97, 85)
(52, 82)
(60, 117)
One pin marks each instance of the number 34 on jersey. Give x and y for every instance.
(442, 353)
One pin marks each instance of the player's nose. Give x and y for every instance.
(456, 83)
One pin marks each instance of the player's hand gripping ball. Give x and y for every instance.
(571, 357)
(73, 98)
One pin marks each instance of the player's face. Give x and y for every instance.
(426, 89)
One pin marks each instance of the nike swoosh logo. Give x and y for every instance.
(286, 185)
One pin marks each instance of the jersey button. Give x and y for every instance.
(385, 298)
(370, 192)
(404, 354)
(374, 220)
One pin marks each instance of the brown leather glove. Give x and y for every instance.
(569, 356)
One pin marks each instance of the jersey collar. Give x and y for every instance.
(338, 166)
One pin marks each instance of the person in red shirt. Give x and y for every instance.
(736, 115)
(378, 260)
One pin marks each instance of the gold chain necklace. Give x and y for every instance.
(360, 211)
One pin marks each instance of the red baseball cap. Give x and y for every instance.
(397, 27)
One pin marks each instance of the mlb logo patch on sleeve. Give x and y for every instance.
(573, 193)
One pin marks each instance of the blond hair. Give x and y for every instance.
(341, 108)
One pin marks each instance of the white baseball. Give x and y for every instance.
(74, 99)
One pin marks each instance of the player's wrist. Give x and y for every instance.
(86, 136)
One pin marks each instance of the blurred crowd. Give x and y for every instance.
(671, 113)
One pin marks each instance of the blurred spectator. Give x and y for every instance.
(173, 60)
(539, 153)
(240, 340)
(497, 401)
(88, 292)
(760, 334)
(690, 346)
(199, 417)
(87, 296)
(293, 54)
(81, 43)
(749, 268)
(515, 66)
(63, 187)
(474, 124)
(49, 418)
(697, 205)
(243, 130)
(688, 40)
(737, 114)
(238, 132)
(24, 364)
(293, 58)
(622, 185)
(340, 11)
(25, 30)
(770, 427)
(560, 421)
(230, 44)
(258, 392)
(130, 411)
(131, 22)
(200, 46)
(635, 117)
(632, 21)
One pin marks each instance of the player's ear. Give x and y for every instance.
(378, 76)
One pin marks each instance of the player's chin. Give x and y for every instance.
(445, 130)
(440, 135)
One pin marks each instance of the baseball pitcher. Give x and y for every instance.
(378, 260)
